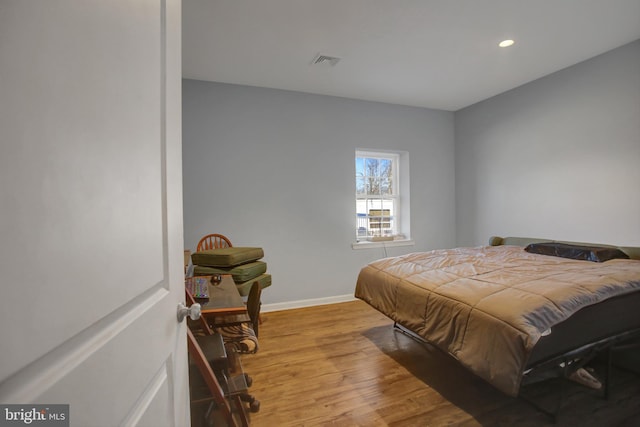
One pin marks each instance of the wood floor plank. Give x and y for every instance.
(344, 365)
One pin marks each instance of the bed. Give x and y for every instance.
(504, 312)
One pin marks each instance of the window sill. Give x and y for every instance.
(389, 244)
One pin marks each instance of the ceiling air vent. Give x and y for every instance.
(325, 59)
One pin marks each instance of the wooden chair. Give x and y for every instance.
(198, 357)
(237, 329)
(206, 337)
(213, 241)
(253, 306)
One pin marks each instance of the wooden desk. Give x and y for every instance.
(226, 304)
(224, 300)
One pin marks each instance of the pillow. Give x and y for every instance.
(227, 257)
(587, 253)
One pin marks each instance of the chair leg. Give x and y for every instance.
(241, 410)
(254, 404)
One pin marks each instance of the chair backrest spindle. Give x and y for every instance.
(213, 241)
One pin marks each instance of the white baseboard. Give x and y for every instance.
(289, 305)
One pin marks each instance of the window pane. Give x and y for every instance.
(385, 167)
(360, 185)
(373, 186)
(371, 172)
(359, 166)
(378, 219)
(371, 167)
(385, 186)
(361, 218)
(386, 172)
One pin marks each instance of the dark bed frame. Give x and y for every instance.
(563, 365)
(601, 331)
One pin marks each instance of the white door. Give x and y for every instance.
(91, 210)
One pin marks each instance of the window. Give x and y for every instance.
(378, 198)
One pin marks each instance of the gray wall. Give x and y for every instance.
(275, 169)
(555, 158)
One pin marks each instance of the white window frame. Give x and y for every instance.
(399, 195)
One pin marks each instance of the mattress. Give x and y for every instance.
(489, 306)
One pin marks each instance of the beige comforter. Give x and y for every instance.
(488, 306)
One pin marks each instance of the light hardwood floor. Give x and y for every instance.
(344, 365)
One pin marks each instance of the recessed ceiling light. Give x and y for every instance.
(506, 43)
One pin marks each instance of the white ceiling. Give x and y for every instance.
(429, 53)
